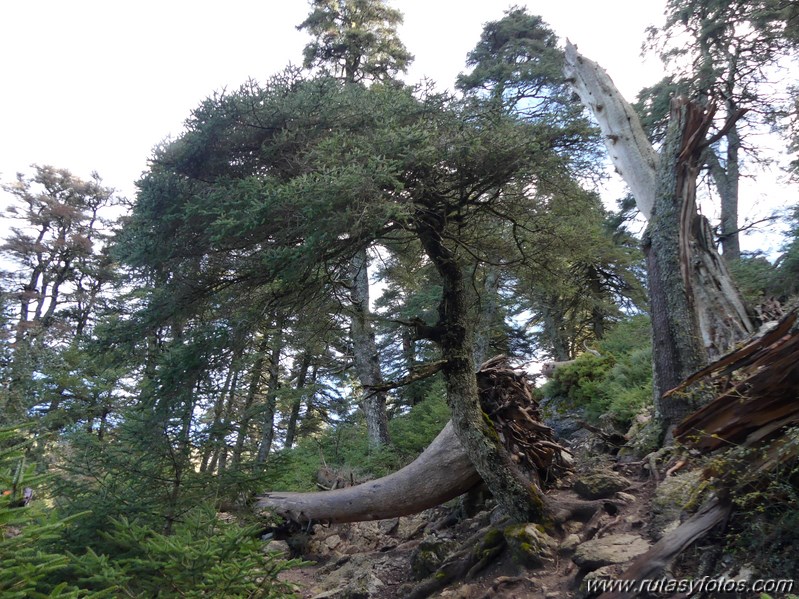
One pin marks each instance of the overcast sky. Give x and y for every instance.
(93, 85)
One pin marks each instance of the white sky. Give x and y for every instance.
(93, 85)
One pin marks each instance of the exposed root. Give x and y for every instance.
(479, 550)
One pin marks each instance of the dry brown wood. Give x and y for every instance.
(757, 392)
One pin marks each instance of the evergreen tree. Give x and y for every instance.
(724, 53)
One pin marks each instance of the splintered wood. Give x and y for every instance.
(506, 397)
(757, 392)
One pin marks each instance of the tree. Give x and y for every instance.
(63, 269)
(355, 40)
(732, 50)
(696, 309)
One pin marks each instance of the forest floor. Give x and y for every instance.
(389, 559)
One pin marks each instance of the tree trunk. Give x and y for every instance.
(521, 498)
(268, 421)
(489, 308)
(302, 375)
(255, 382)
(678, 349)
(443, 471)
(367, 363)
(697, 312)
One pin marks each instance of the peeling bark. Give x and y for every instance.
(697, 312)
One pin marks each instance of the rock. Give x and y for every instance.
(358, 578)
(429, 556)
(613, 549)
(625, 497)
(572, 526)
(600, 485)
(603, 573)
(388, 527)
(673, 496)
(569, 544)
(279, 547)
(332, 542)
(529, 545)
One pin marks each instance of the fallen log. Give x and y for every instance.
(443, 471)
(652, 564)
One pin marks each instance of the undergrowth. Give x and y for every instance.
(345, 447)
(617, 384)
(765, 527)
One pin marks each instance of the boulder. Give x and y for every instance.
(605, 551)
(530, 545)
(600, 485)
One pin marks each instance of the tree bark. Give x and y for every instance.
(255, 382)
(678, 349)
(489, 308)
(367, 363)
(520, 497)
(727, 183)
(442, 472)
(268, 421)
(697, 312)
(302, 375)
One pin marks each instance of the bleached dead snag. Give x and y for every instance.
(629, 149)
(692, 295)
(442, 472)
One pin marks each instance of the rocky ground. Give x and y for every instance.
(439, 553)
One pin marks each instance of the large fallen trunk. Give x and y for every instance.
(443, 471)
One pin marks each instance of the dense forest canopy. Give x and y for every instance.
(314, 270)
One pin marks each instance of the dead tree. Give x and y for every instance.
(697, 312)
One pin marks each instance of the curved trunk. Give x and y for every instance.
(442, 472)
(520, 497)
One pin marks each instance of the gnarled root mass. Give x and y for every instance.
(443, 471)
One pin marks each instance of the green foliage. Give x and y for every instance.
(26, 531)
(756, 278)
(618, 384)
(345, 448)
(205, 557)
(766, 531)
(355, 39)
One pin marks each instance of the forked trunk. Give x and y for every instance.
(697, 311)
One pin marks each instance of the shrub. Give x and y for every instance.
(205, 557)
(619, 383)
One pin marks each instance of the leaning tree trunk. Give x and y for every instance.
(444, 470)
(697, 312)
